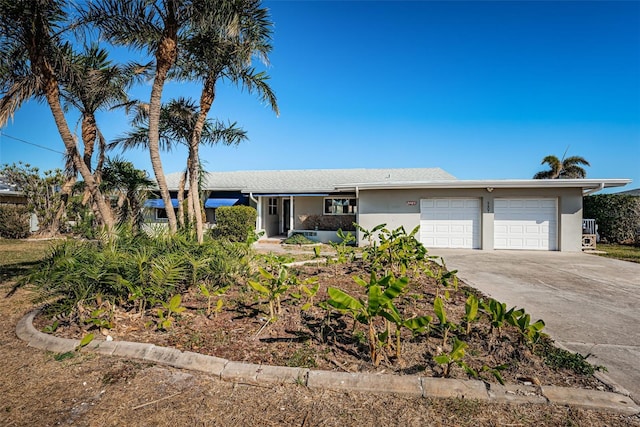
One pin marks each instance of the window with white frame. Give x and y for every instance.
(273, 206)
(340, 206)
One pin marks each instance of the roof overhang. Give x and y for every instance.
(587, 185)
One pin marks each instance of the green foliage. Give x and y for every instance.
(617, 216)
(84, 222)
(494, 371)
(14, 221)
(40, 189)
(49, 329)
(298, 239)
(559, 358)
(378, 302)
(392, 251)
(454, 356)
(444, 326)
(499, 314)
(303, 358)
(85, 341)
(621, 252)
(129, 186)
(273, 285)
(307, 292)
(210, 294)
(235, 223)
(100, 318)
(530, 332)
(132, 271)
(344, 249)
(59, 357)
(470, 311)
(168, 311)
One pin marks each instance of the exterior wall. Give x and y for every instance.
(308, 214)
(270, 223)
(304, 206)
(402, 208)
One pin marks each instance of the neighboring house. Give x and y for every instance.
(451, 213)
(634, 192)
(9, 194)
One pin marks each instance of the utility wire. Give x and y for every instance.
(31, 143)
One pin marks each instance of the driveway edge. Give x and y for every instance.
(424, 387)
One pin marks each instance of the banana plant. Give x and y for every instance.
(531, 332)
(378, 303)
(446, 360)
(210, 294)
(470, 311)
(499, 314)
(445, 326)
(273, 286)
(307, 291)
(170, 308)
(344, 251)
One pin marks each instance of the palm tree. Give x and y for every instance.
(95, 83)
(177, 122)
(568, 168)
(130, 186)
(33, 63)
(158, 27)
(225, 53)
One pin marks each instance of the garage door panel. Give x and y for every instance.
(525, 224)
(450, 223)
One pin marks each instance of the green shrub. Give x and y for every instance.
(14, 221)
(133, 271)
(235, 223)
(298, 239)
(617, 216)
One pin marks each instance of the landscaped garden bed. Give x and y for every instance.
(390, 308)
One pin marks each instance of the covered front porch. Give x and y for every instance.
(317, 216)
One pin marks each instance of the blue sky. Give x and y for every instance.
(480, 89)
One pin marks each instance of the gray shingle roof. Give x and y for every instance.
(634, 192)
(308, 181)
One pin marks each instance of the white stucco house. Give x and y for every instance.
(474, 214)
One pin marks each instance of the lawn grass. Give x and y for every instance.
(22, 251)
(621, 252)
(19, 256)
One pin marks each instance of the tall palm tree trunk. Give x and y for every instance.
(165, 57)
(52, 95)
(65, 193)
(181, 187)
(207, 97)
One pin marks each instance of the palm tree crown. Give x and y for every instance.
(569, 168)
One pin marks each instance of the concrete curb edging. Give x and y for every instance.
(250, 373)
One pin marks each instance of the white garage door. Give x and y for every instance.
(450, 223)
(525, 224)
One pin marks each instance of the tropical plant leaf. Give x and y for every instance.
(343, 301)
(438, 308)
(259, 287)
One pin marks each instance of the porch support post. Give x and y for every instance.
(291, 223)
(259, 209)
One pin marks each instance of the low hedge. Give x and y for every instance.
(235, 223)
(617, 216)
(14, 221)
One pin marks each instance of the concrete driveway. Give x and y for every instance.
(590, 304)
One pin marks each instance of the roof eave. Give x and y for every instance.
(513, 183)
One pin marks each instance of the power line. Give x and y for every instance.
(32, 143)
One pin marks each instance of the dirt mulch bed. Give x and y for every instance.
(42, 388)
(241, 332)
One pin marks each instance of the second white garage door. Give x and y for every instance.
(450, 223)
(525, 224)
